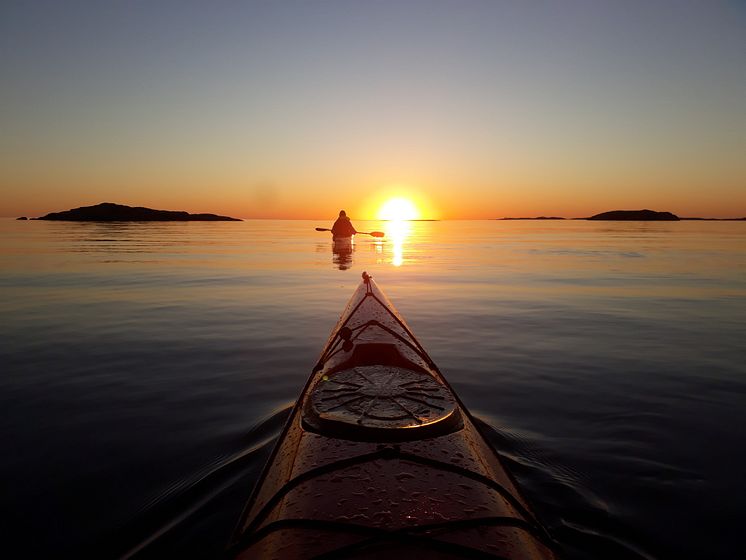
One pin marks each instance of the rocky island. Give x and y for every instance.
(636, 215)
(110, 212)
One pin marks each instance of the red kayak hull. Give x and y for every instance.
(380, 457)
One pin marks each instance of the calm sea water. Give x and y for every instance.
(146, 369)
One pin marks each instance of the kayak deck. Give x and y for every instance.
(379, 457)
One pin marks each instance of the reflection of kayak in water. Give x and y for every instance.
(342, 242)
(342, 247)
(380, 458)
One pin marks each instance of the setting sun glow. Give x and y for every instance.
(398, 209)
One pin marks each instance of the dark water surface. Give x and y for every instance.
(145, 367)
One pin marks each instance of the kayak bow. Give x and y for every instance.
(380, 458)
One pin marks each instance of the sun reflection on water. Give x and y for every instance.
(397, 231)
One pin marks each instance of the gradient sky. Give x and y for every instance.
(474, 109)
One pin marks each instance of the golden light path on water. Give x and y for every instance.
(397, 231)
(397, 212)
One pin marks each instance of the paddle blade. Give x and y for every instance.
(377, 233)
(322, 229)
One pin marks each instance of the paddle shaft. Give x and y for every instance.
(373, 233)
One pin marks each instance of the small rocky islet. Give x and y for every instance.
(537, 218)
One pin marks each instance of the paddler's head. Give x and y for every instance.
(342, 214)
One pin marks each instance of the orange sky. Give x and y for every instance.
(363, 198)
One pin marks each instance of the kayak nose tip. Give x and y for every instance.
(366, 277)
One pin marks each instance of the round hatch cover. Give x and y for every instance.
(380, 403)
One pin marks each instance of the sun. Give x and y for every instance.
(398, 209)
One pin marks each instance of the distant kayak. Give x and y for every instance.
(380, 458)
